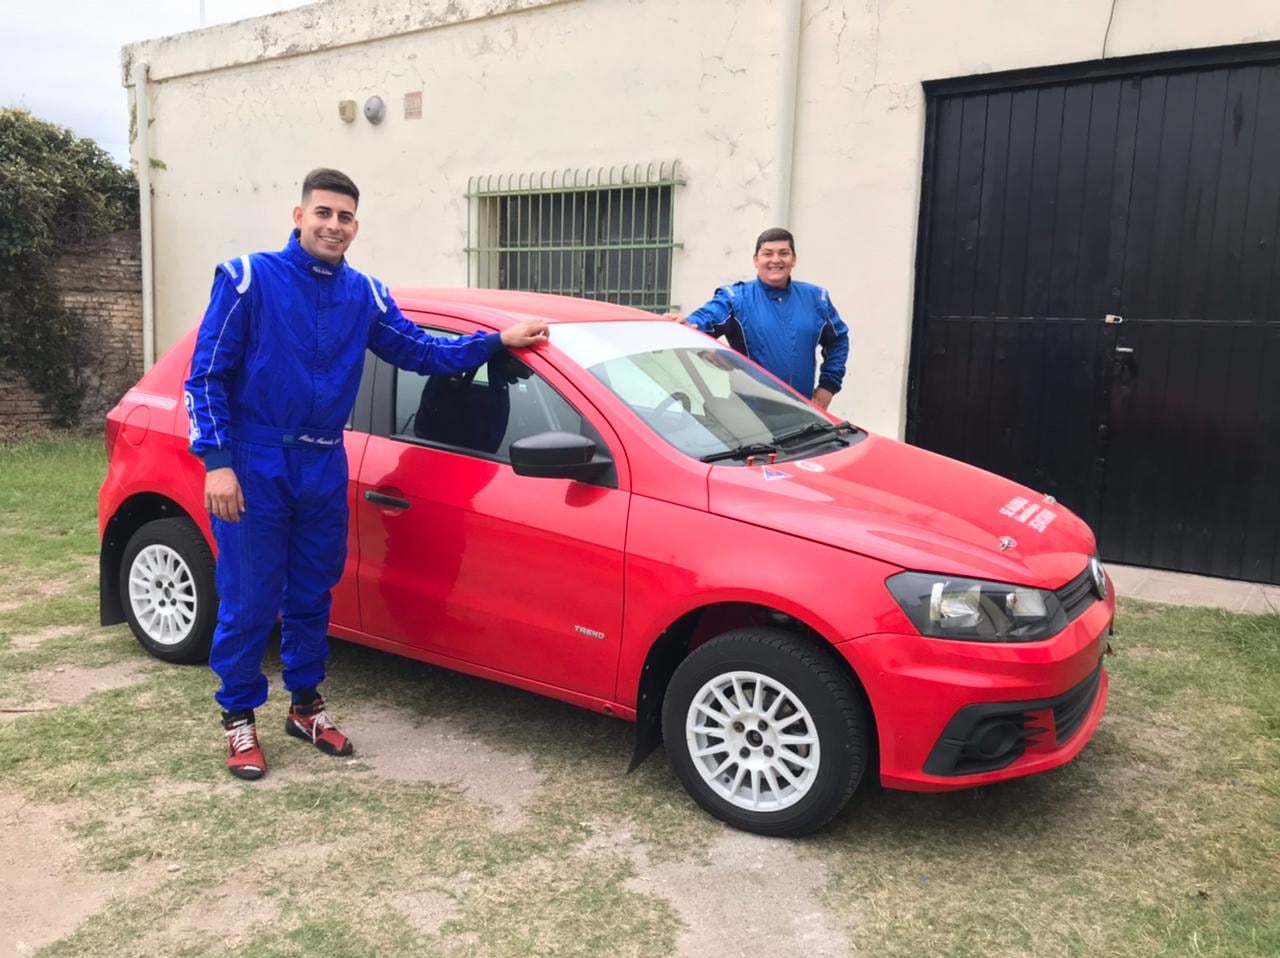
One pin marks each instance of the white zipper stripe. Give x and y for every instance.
(214, 355)
(376, 298)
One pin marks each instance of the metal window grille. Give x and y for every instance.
(598, 234)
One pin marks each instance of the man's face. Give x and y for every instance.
(774, 263)
(326, 224)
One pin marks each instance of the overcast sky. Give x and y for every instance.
(60, 59)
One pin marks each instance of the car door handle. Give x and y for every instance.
(384, 500)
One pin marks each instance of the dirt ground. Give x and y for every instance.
(753, 896)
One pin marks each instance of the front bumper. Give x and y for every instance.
(991, 737)
(958, 714)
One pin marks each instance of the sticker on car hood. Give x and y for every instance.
(1028, 513)
(770, 473)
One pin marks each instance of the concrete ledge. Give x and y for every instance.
(306, 29)
(1179, 588)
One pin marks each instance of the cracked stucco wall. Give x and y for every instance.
(241, 112)
(553, 86)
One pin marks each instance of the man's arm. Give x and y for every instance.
(713, 317)
(834, 343)
(215, 363)
(401, 343)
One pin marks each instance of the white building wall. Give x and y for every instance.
(241, 112)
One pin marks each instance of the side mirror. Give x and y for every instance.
(558, 455)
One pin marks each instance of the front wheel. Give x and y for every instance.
(167, 590)
(766, 731)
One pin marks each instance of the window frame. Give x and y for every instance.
(383, 420)
(568, 217)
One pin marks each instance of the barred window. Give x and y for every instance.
(598, 234)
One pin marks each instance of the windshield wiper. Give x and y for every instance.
(741, 452)
(819, 428)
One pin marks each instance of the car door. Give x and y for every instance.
(461, 557)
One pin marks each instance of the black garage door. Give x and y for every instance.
(1098, 299)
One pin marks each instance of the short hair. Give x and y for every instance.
(775, 234)
(334, 181)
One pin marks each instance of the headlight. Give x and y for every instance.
(976, 611)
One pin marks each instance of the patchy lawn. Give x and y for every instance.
(479, 820)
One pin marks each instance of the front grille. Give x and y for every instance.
(1077, 595)
(1070, 710)
(986, 738)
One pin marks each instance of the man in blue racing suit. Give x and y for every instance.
(781, 323)
(273, 381)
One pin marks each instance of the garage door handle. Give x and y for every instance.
(385, 500)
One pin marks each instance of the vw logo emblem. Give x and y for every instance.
(1099, 577)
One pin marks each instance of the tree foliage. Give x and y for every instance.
(57, 191)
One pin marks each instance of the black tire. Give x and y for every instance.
(812, 699)
(173, 607)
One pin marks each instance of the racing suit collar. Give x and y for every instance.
(774, 292)
(300, 258)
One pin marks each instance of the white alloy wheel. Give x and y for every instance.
(162, 594)
(753, 741)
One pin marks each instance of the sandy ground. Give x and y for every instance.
(33, 640)
(754, 891)
(60, 584)
(394, 745)
(754, 896)
(45, 889)
(66, 685)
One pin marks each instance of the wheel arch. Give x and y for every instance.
(133, 514)
(699, 625)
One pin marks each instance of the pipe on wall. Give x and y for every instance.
(142, 105)
(788, 93)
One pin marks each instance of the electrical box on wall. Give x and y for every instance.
(347, 110)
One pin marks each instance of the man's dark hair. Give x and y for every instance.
(775, 234)
(332, 180)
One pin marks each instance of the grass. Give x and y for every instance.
(1163, 838)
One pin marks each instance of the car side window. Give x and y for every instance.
(483, 411)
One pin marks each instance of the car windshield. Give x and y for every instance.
(706, 400)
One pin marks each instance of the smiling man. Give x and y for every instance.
(274, 377)
(781, 323)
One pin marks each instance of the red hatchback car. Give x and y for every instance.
(636, 519)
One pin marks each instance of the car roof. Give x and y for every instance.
(503, 307)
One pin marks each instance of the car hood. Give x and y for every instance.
(910, 507)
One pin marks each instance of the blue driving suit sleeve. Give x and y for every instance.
(715, 317)
(834, 342)
(216, 362)
(401, 343)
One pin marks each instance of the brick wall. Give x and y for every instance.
(102, 284)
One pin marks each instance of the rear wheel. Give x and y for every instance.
(766, 731)
(167, 590)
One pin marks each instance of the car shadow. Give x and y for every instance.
(510, 719)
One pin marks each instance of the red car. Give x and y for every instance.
(636, 519)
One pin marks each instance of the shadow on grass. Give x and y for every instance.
(597, 747)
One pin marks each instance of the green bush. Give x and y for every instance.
(57, 190)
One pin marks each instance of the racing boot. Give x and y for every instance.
(244, 754)
(312, 723)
